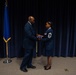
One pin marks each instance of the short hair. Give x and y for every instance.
(30, 17)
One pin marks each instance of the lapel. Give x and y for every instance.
(32, 30)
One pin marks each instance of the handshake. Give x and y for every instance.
(39, 37)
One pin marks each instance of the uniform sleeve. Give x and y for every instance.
(48, 37)
(29, 33)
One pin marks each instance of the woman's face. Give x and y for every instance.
(47, 25)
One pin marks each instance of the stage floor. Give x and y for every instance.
(60, 66)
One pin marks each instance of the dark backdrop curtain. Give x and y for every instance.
(61, 12)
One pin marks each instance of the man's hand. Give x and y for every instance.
(39, 36)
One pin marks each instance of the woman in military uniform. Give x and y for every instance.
(48, 44)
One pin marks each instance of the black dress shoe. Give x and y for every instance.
(33, 67)
(44, 67)
(24, 70)
(47, 68)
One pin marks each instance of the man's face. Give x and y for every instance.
(32, 20)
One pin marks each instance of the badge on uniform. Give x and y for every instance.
(49, 35)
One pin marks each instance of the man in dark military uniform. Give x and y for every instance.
(28, 44)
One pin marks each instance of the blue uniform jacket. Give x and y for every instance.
(48, 40)
(29, 37)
